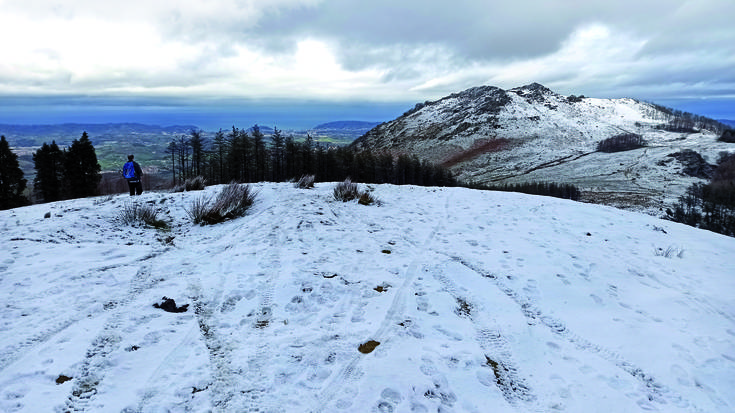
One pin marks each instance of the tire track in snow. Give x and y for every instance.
(222, 389)
(14, 352)
(350, 371)
(95, 364)
(176, 357)
(257, 378)
(656, 392)
(244, 384)
(499, 356)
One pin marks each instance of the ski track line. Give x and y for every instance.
(656, 392)
(92, 370)
(499, 356)
(349, 373)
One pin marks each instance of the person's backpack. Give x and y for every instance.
(129, 170)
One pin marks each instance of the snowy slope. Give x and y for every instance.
(480, 301)
(494, 136)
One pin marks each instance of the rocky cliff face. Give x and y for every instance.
(530, 133)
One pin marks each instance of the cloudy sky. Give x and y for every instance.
(679, 53)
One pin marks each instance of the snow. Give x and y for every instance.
(550, 139)
(480, 301)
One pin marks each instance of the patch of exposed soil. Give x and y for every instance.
(478, 148)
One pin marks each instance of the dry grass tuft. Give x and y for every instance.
(233, 201)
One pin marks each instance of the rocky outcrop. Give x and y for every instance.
(693, 164)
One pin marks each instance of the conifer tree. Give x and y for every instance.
(307, 150)
(197, 151)
(81, 170)
(290, 155)
(49, 164)
(219, 160)
(12, 183)
(277, 154)
(259, 155)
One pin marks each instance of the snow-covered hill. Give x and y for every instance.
(494, 136)
(470, 302)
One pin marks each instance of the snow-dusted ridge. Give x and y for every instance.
(494, 136)
(480, 301)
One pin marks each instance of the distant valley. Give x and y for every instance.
(113, 141)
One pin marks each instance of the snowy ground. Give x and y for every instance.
(480, 301)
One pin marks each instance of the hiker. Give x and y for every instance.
(132, 172)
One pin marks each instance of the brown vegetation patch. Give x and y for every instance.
(368, 347)
(620, 199)
(62, 379)
(478, 148)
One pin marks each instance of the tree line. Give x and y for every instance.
(239, 155)
(710, 206)
(621, 142)
(243, 155)
(12, 183)
(552, 189)
(685, 122)
(67, 173)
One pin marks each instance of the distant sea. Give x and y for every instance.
(290, 116)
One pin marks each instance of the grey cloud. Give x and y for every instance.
(475, 30)
(426, 49)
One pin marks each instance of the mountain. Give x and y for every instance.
(347, 124)
(729, 122)
(439, 299)
(488, 135)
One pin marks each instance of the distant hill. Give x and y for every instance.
(347, 124)
(487, 135)
(728, 122)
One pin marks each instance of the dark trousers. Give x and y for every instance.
(136, 187)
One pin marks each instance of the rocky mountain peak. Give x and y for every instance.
(534, 92)
(530, 133)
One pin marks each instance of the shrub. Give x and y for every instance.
(233, 201)
(196, 183)
(366, 198)
(306, 182)
(622, 142)
(349, 191)
(346, 191)
(133, 214)
(728, 135)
